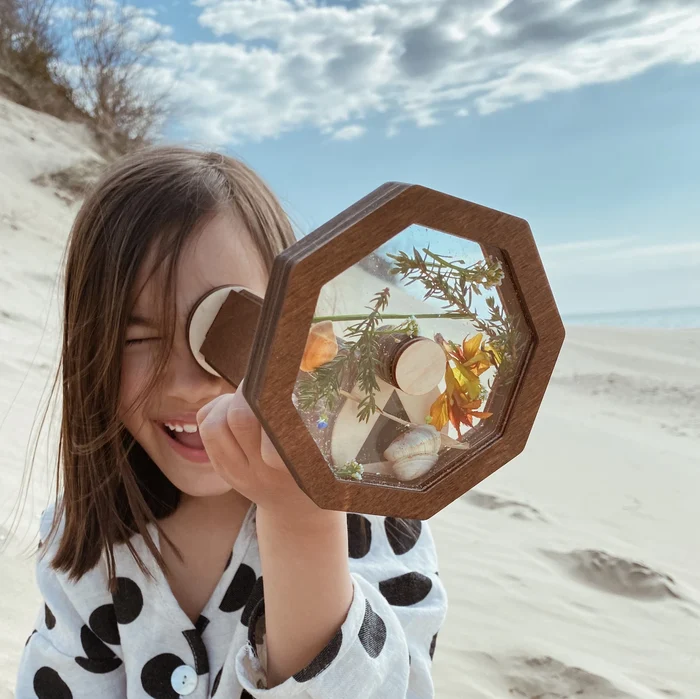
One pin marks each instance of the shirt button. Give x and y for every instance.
(183, 680)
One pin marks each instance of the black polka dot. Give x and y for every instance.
(217, 679)
(128, 600)
(372, 632)
(49, 618)
(30, 637)
(402, 533)
(156, 674)
(98, 667)
(432, 646)
(322, 660)
(103, 621)
(100, 658)
(93, 646)
(256, 595)
(246, 695)
(239, 590)
(49, 685)
(359, 535)
(405, 590)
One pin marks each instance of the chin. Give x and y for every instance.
(193, 479)
(198, 485)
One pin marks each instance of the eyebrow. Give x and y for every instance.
(140, 320)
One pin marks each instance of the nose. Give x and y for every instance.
(187, 382)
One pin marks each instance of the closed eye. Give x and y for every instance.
(140, 340)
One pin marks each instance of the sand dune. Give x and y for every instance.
(572, 572)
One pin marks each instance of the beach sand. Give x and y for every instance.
(573, 571)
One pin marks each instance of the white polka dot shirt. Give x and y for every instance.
(138, 642)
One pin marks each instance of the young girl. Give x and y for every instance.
(180, 558)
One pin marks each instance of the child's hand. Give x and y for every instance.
(243, 455)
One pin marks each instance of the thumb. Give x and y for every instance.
(206, 409)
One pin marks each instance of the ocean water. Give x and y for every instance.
(658, 318)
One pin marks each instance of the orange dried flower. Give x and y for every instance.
(462, 398)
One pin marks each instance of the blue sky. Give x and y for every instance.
(580, 117)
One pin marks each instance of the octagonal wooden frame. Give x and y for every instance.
(297, 277)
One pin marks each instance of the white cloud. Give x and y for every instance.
(278, 65)
(622, 273)
(610, 257)
(349, 133)
(650, 257)
(577, 246)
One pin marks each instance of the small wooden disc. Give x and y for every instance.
(200, 319)
(420, 367)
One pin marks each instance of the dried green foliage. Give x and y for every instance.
(443, 279)
(358, 357)
(456, 285)
(350, 469)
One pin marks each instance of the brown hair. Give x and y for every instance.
(107, 487)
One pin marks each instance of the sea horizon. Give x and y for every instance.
(683, 317)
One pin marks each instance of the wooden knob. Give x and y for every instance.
(221, 329)
(415, 365)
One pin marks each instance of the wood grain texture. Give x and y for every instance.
(227, 344)
(414, 364)
(298, 275)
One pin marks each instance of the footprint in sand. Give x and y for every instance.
(41, 277)
(512, 508)
(537, 678)
(618, 576)
(11, 317)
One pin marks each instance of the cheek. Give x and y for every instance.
(135, 375)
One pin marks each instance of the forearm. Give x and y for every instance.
(307, 585)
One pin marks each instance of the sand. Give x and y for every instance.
(574, 571)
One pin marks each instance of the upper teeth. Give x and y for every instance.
(181, 428)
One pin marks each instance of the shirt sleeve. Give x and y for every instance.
(67, 655)
(384, 648)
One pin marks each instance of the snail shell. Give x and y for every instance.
(414, 466)
(321, 346)
(413, 453)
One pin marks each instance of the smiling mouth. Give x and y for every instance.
(190, 440)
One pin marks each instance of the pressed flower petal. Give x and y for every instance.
(451, 381)
(455, 420)
(467, 404)
(471, 347)
(479, 363)
(438, 412)
(467, 380)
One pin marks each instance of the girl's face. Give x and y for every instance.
(221, 254)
